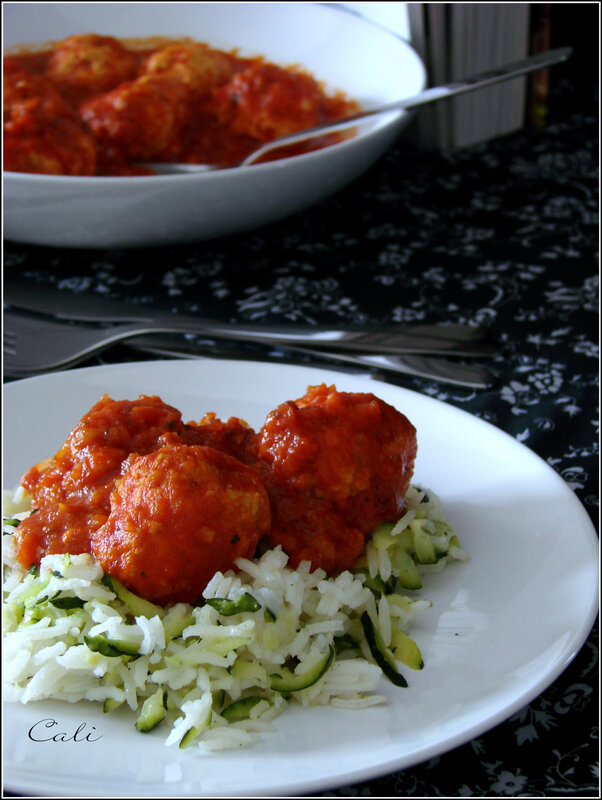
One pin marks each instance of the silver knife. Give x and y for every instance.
(449, 340)
(437, 369)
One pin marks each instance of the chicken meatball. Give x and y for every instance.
(233, 437)
(177, 517)
(195, 66)
(265, 101)
(71, 491)
(140, 119)
(336, 465)
(41, 133)
(87, 64)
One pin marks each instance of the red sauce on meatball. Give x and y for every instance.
(336, 465)
(164, 504)
(71, 491)
(42, 133)
(96, 106)
(233, 436)
(87, 63)
(177, 517)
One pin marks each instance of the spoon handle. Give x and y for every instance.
(432, 95)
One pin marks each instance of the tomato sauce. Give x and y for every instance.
(163, 504)
(71, 491)
(178, 516)
(336, 465)
(94, 105)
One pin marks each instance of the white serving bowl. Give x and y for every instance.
(369, 64)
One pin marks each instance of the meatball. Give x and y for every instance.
(195, 66)
(336, 465)
(88, 64)
(233, 437)
(21, 87)
(178, 516)
(140, 119)
(265, 101)
(71, 491)
(41, 133)
(310, 528)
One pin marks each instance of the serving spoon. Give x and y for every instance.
(435, 93)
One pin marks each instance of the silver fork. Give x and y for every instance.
(34, 345)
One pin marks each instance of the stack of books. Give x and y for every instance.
(458, 40)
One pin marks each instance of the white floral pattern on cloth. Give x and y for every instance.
(503, 234)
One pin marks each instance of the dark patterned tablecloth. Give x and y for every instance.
(503, 234)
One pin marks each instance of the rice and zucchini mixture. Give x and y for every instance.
(216, 674)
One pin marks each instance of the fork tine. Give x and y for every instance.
(9, 341)
(33, 344)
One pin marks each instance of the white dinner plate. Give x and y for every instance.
(502, 627)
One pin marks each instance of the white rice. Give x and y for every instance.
(217, 660)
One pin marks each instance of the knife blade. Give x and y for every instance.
(437, 369)
(449, 340)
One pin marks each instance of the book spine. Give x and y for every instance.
(538, 85)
